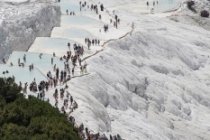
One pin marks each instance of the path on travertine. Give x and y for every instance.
(73, 29)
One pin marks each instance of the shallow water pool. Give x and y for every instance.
(76, 33)
(53, 43)
(43, 64)
(166, 5)
(21, 74)
(162, 6)
(49, 45)
(74, 7)
(79, 20)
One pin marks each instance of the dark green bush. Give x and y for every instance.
(30, 119)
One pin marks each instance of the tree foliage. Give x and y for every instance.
(30, 119)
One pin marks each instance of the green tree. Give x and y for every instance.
(9, 90)
(30, 119)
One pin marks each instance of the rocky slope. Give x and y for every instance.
(29, 20)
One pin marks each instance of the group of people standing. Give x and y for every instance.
(70, 13)
(92, 42)
(85, 134)
(63, 75)
(153, 3)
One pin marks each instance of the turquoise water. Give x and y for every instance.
(49, 45)
(21, 74)
(162, 6)
(73, 7)
(77, 33)
(43, 64)
(79, 20)
(165, 5)
(54, 43)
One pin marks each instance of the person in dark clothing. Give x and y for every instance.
(57, 73)
(4, 61)
(64, 75)
(69, 45)
(24, 58)
(116, 17)
(111, 137)
(72, 71)
(102, 7)
(71, 99)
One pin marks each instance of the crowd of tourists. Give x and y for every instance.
(58, 77)
(85, 134)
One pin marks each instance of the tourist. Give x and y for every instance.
(71, 99)
(102, 7)
(40, 55)
(24, 58)
(81, 70)
(111, 137)
(69, 45)
(116, 17)
(80, 61)
(52, 61)
(20, 84)
(29, 67)
(96, 41)
(57, 73)
(4, 60)
(32, 66)
(89, 44)
(72, 71)
(64, 75)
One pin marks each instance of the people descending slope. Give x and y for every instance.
(57, 76)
